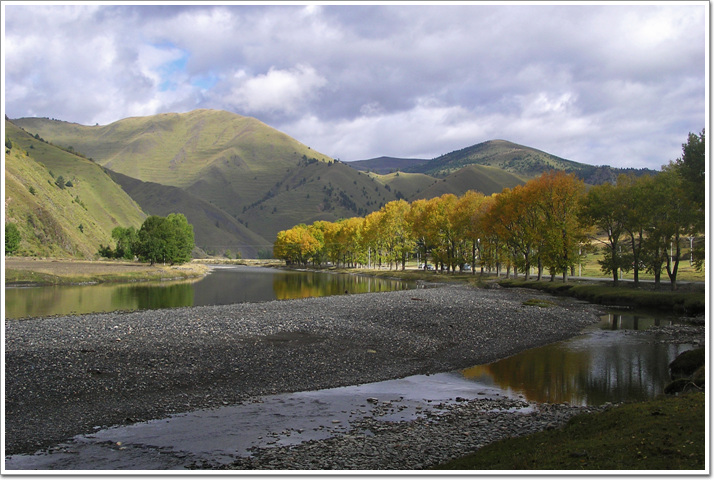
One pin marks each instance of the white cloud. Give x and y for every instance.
(277, 91)
(603, 83)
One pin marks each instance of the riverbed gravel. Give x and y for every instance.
(71, 375)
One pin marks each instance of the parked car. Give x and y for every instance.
(430, 267)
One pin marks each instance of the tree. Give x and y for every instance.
(164, 240)
(396, 232)
(126, 239)
(637, 210)
(182, 238)
(12, 238)
(602, 208)
(296, 245)
(468, 212)
(678, 218)
(60, 182)
(691, 168)
(558, 195)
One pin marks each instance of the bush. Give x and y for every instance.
(12, 238)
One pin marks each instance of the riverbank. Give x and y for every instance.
(25, 271)
(70, 375)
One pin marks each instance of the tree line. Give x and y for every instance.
(160, 239)
(547, 224)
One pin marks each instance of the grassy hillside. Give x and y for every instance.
(385, 165)
(179, 149)
(487, 180)
(251, 173)
(523, 161)
(239, 181)
(215, 231)
(317, 191)
(406, 185)
(69, 222)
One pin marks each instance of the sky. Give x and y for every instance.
(618, 84)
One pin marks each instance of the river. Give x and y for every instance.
(604, 364)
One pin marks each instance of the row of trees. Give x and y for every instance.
(160, 239)
(547, 224)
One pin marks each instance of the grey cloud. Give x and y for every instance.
(367, 80)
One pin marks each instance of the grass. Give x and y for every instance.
(61, 222)
(538, 302)
(687, 302)
(667, 433)
(72, 272)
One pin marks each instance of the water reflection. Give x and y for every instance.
(222, 287)
(600, 366)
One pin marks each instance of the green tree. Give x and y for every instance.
(691, 167)
(181, 238)
(602, 208)
(60, 182)
(165, 239)
(126, 239)
(12, 238)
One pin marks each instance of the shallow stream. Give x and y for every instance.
(608, 363)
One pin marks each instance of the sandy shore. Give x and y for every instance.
(67, 375)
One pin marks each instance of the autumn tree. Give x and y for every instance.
(296, 245)
(557, 197)
(468, 212)
(394, 228)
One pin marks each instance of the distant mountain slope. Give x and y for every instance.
(524, 161)
(253, 173)
(180, 149)
(405, 185)
(215, 231)
(385, 165)
(69, 222)
(487, 180)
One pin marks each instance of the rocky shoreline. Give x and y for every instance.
(69, 375)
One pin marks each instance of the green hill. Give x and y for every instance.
(215, 231)
(61, 222)
(406, 185)
(259, 176)
(386, 165)
(526, 162)
(487, 180)
(239, 181)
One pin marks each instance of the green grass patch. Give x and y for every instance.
(687, 302)
(667, 433)
(538, 302)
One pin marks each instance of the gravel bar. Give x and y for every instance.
(68, 375)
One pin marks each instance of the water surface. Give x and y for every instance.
(223, 286)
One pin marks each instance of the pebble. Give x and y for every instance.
(372, 444)
(166, 362)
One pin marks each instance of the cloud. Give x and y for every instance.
(277, 91)
(602, 83)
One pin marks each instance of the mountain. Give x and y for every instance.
(487, 180)
(239, 181)
(61, 222)
(214, 230)
(386, 165)
(526, 162)
(263, 179)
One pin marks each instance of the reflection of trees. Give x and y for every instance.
(178, 294)
(594, 375)
(303, 285)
